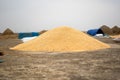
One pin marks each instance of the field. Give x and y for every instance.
(93, 65)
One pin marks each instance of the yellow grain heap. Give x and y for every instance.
(62, 39)
(115, 36)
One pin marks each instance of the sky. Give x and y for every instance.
(37, 15)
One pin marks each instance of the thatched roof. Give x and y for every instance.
(8, 32)
(106, 30)
(116, 30)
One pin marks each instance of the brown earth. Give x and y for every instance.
(94, 65)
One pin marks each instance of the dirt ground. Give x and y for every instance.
(93, 65)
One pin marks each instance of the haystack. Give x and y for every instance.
(106, 30)
(43, 31)
(116, 30)
(8, 32)
(62, 39)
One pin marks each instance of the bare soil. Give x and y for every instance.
(93, 65)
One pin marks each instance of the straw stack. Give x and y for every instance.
(8, 32)
(116, 30)
(106, 30)
(62, 39)
(43, 31)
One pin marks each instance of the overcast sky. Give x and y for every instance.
(36, 15)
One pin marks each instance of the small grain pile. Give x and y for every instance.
(115, 36)
(62, 39)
